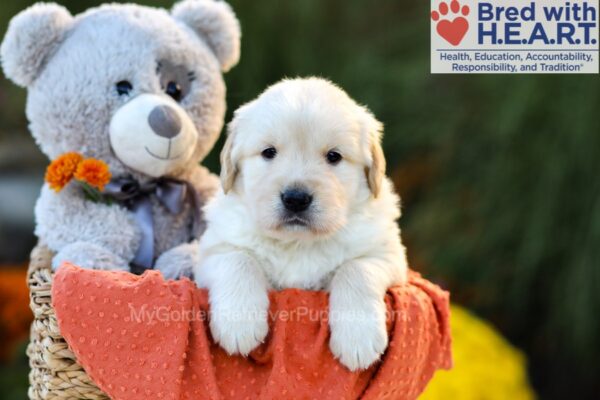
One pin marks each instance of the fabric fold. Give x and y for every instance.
(142, 335)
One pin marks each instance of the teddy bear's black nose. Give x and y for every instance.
(165, 122)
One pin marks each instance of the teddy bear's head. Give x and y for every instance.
(138, 87)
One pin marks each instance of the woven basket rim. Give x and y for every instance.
(55, 373)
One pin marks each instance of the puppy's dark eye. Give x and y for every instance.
(124, 88)
(333, 157)
(269, 153)
(173, 89)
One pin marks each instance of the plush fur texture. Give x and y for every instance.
(217, 24)
(33, 36)
(71, 67)
(346, 242)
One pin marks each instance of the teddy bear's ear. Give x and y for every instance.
(32, 37)
(216, 23)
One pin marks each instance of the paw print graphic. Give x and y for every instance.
(452, 30)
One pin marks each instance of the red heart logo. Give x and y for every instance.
(453, 31)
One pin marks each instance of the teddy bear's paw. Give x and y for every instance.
(90, 256)
(239, 327)
(358, 341)
(179, 261)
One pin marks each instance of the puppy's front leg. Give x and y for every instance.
(239, 301)
(357, 310)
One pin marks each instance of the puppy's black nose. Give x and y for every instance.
(165, 122)
(296, 200)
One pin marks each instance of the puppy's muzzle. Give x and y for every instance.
(296, 200)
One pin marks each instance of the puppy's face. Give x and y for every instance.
(302, 157)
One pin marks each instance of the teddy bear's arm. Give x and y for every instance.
(89, 255)
(181, 260)
(91, 235)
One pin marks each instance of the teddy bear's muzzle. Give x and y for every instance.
(153, 134)
(165, 121)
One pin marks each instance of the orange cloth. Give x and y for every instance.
(144, 337)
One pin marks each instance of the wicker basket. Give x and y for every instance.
(55, 373)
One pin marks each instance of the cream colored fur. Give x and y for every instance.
(350, 244)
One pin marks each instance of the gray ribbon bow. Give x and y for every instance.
(172, 194)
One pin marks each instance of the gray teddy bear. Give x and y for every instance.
(141, 89)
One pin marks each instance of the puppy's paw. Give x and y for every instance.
(239, 327)
(358, 341)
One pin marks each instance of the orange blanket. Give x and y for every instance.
(144, 337)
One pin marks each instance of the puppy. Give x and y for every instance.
(305, 204)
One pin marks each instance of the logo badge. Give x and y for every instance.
(514, 36)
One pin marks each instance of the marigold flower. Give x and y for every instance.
(61, 170)
(93, 172)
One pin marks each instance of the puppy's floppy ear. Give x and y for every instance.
(217, 24)
(229, 168)
(372, 132)
(376, 171)
(32, 38)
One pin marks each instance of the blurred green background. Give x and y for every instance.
(498, 174)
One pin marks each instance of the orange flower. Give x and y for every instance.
(15, 315)
(93, 172)
(61, 170)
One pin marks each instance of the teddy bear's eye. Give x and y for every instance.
(124, 88)
(173, 89)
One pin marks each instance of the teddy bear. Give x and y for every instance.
(141, 89)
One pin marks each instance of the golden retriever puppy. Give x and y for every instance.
(305, 204)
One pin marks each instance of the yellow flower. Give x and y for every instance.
(61, 170)
(486, 366)
(93, 172)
